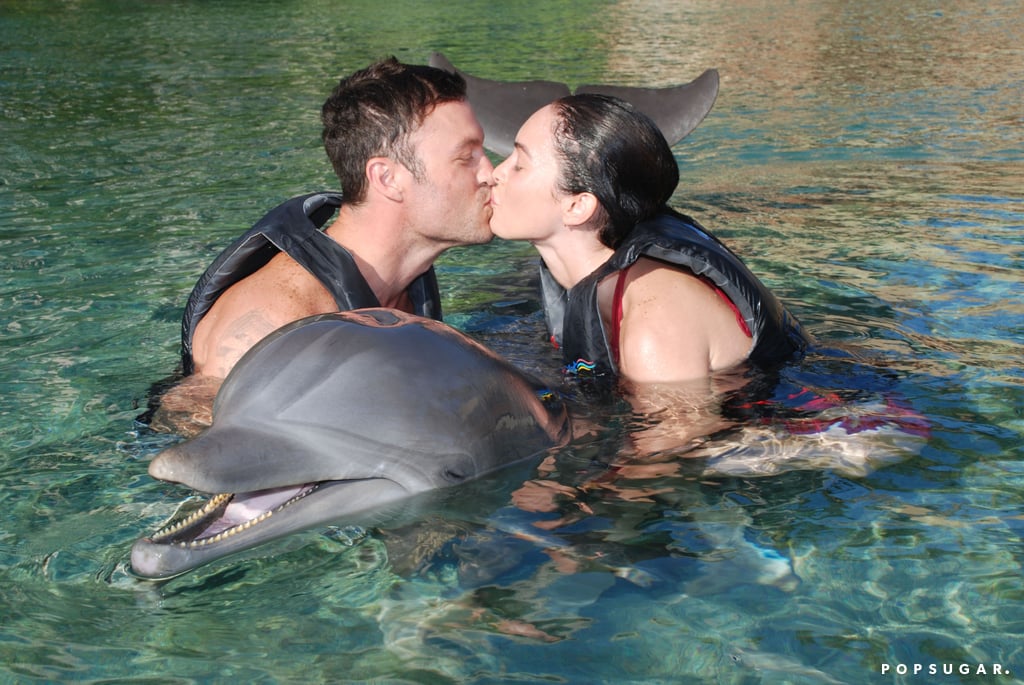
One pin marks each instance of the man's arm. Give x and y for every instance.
(217, 349)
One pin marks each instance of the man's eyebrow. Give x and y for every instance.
(469, 141)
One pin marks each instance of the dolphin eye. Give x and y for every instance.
(453, 474)
(458, 468)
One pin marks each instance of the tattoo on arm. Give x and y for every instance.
(244, 332)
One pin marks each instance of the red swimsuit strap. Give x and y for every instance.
(732, 305)
(620, 288)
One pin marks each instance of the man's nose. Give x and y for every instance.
(485, 174)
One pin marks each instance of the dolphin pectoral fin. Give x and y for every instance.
(503, 106)
(677, 110)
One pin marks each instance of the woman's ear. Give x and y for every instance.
(382, 175)
(579, 209)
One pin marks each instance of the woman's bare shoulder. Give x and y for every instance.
(650, 278)
(675, 325)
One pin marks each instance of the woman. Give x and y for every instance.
(662, 301)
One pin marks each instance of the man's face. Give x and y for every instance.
(452, 202)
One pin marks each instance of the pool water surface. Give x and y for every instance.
(866, 160)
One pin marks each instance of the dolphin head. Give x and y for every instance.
(338, 415)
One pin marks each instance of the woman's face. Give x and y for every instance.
(525, 198)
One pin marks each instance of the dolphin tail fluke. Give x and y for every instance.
(677, 110)
(503, 106)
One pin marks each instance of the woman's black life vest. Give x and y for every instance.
(295, 227)
(574, 319)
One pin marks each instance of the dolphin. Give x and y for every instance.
(341, 415)
(503, 106)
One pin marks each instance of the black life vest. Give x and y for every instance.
(295, 227)
(574, 319)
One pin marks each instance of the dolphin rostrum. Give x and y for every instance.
(338, 415)
(503, 106)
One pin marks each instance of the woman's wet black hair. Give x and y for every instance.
(617, 153)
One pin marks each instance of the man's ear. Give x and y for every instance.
(382, 175)
(579, 209)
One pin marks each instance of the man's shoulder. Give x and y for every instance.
(281, 287)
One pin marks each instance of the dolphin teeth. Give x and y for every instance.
(184, 533)
(176, 527)
(233, 530)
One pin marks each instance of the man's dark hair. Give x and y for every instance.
(372, 113)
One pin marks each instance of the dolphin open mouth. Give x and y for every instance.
(228, 514)
(234, 522)
(224, 524)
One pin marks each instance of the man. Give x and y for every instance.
(409, 154)
(408, 151)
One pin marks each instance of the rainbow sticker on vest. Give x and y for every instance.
(581, 367)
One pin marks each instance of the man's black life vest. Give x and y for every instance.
(574, 319)
(295, 227)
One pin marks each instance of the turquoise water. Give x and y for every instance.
(866, 158)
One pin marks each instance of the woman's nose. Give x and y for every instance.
(499, 172)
